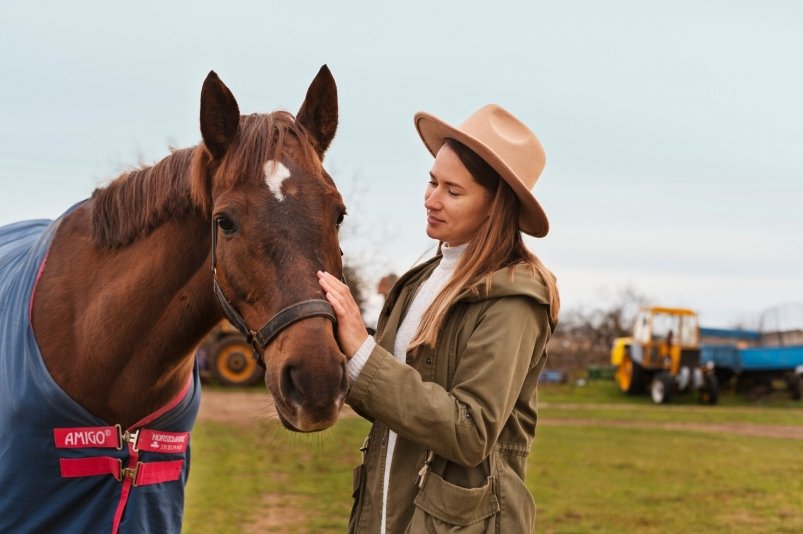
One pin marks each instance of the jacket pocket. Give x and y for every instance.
(444, 507)
(358, 490)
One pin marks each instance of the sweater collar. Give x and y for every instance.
(451, 255)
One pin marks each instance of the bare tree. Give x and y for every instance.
(597, 327)
(356, 284)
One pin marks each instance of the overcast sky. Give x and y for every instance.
(673, 129)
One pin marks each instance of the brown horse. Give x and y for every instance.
(127, 290)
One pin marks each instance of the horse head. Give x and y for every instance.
(275, 213)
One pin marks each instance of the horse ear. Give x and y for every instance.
(318, 113)
(220, 115)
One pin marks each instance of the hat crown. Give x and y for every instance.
(508, 137)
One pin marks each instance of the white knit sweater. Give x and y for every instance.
(409, 326)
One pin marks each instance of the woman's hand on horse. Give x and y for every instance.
(351, 332)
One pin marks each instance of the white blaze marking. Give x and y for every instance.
(275, 175)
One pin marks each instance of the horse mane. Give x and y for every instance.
(137, 202)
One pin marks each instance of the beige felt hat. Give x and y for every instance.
(506, 144)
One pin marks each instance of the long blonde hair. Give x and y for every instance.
(497, 244)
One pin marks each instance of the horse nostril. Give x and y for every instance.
(291, 389)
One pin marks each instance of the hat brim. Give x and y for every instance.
(434, 132)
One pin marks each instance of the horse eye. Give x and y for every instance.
(226, 225)
(340, 219)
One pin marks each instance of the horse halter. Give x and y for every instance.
(284, 318)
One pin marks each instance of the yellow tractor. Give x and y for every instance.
(664, 355)
(228, 358)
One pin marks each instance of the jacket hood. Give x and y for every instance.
(519, 279)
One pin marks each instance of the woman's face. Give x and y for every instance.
(456, 204)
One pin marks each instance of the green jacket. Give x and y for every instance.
(471, 401)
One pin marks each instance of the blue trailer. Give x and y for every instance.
(753, 367)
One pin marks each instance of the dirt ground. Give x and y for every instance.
(242, 407)
(743, 429)
(239, 407)
(280, 512)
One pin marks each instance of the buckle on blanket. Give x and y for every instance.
(129, 472)
(126, 438)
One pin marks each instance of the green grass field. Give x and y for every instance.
(585, 478)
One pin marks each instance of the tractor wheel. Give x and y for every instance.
(232, 363)
(709, 392)
(630, 376)
(661, 387)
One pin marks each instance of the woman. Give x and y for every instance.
(449, 381)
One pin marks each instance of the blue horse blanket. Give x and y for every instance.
(61, 468)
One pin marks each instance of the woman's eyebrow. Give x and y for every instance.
(447, 182)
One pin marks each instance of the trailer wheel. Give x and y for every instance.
(232, 364)
(661, 387)
(630, 376)
(796, 386)
(709, 392)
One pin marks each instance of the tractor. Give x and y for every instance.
(663, 355)
(228, 357)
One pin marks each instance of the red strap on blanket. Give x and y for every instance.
(90, 467)
(142, 474)
(156, 472)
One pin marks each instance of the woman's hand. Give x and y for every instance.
(351, 332)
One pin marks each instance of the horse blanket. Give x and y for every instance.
(61, 468)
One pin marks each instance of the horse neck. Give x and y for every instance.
(117, 328)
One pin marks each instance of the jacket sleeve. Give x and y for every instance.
(461, 425)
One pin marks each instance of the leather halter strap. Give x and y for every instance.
(284, 318)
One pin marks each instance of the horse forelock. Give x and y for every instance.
(265, 138)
